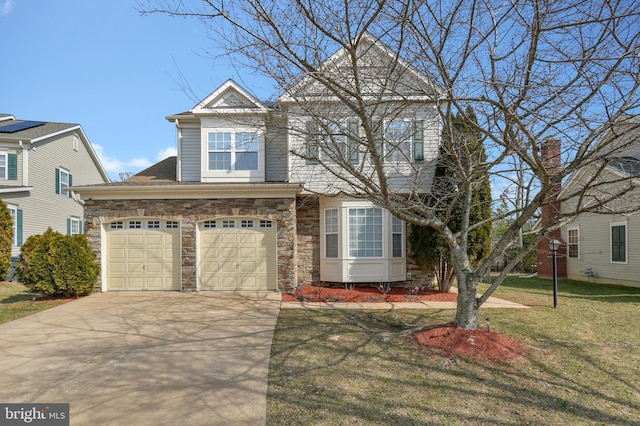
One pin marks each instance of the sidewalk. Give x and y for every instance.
(492, 302)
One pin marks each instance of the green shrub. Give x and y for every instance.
(56, 264)
(6, 239)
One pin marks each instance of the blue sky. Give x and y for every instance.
(100, 64)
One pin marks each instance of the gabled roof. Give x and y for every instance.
(376, 58)
(39, 131)
(228, 99)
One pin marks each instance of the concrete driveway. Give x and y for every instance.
(145, 358)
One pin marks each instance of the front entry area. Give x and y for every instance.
(143, 254)
(237, 253)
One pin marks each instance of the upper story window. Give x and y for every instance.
(398, 138)
(573, 243)
(4, 167)
(63, 181)
(233, 151)
(619, 242)
(333, 141)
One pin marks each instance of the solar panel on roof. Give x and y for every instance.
(23, 125)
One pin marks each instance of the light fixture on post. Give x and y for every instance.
(554, 245)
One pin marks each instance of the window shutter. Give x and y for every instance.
(13, 166)
(68, 226)
(70, 184)
(80, 227)
(19, 227)
(57, 181)
(352, 142)
(312, 142)
(418, 141)
(379, 137)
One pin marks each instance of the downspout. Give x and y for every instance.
(178, 162)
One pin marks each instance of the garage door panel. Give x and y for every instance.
(237, 259)
(140, 259)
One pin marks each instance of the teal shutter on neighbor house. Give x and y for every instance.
(418, 141)
(68, 226)
(19, 227)
(57, 181)
(70, 184)
(80, 227)
(13, 167)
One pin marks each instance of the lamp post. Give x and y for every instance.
(554, 245)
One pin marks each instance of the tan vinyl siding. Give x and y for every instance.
(595, 250)
(190, 154)
(42, 207)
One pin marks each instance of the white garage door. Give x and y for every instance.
(143, 254)
(237, 254)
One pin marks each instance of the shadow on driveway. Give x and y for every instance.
(145, 358)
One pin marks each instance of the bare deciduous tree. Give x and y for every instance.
(530, 69)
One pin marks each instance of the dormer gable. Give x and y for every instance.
(381, 73)
(229, 98)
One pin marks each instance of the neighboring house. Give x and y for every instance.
(601, 246)
(39, 161)
(237, 210)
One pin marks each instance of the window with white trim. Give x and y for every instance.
(226, 223)
(331, 237)
(397, 235)
(365, 232)
(210, 224)
(619, 242)
(398, 135)
(4, 166)
(573, 243)
(233, 151)
(14, 215)
(74, 226)
(63, 182)
(172, 224)
(266, 223)
(116, 225)
(246, 223)
(333, 141)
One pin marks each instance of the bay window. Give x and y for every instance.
(365, 232)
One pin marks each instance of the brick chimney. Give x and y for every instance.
(550, 153)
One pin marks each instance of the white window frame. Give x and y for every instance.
(373, 242)
(398, 150)
(237, 146)
(333, 140)
(626, 242)
(576, 243)
(74, 225)
(153, 225)
(247, 223)
(5, 175)
(13, 211)
(172, 224)
(63, 183)
(118, 224)
(331, 229)
(265, 223)
(134, 224)
(397, 230)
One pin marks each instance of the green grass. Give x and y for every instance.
(17, 302)
(582, 367)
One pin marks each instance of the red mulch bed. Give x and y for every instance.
(311, 293)
(457, 343)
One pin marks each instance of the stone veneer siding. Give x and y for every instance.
(308, 238)
(189, 213)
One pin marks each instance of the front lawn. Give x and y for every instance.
(17, 302)
(581, 366)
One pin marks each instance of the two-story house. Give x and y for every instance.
(253, 200)
(39, 161)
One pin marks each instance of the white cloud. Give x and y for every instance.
(113, 165)
(6, 7)
(167, 152)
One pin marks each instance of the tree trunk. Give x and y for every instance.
(467, 307)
